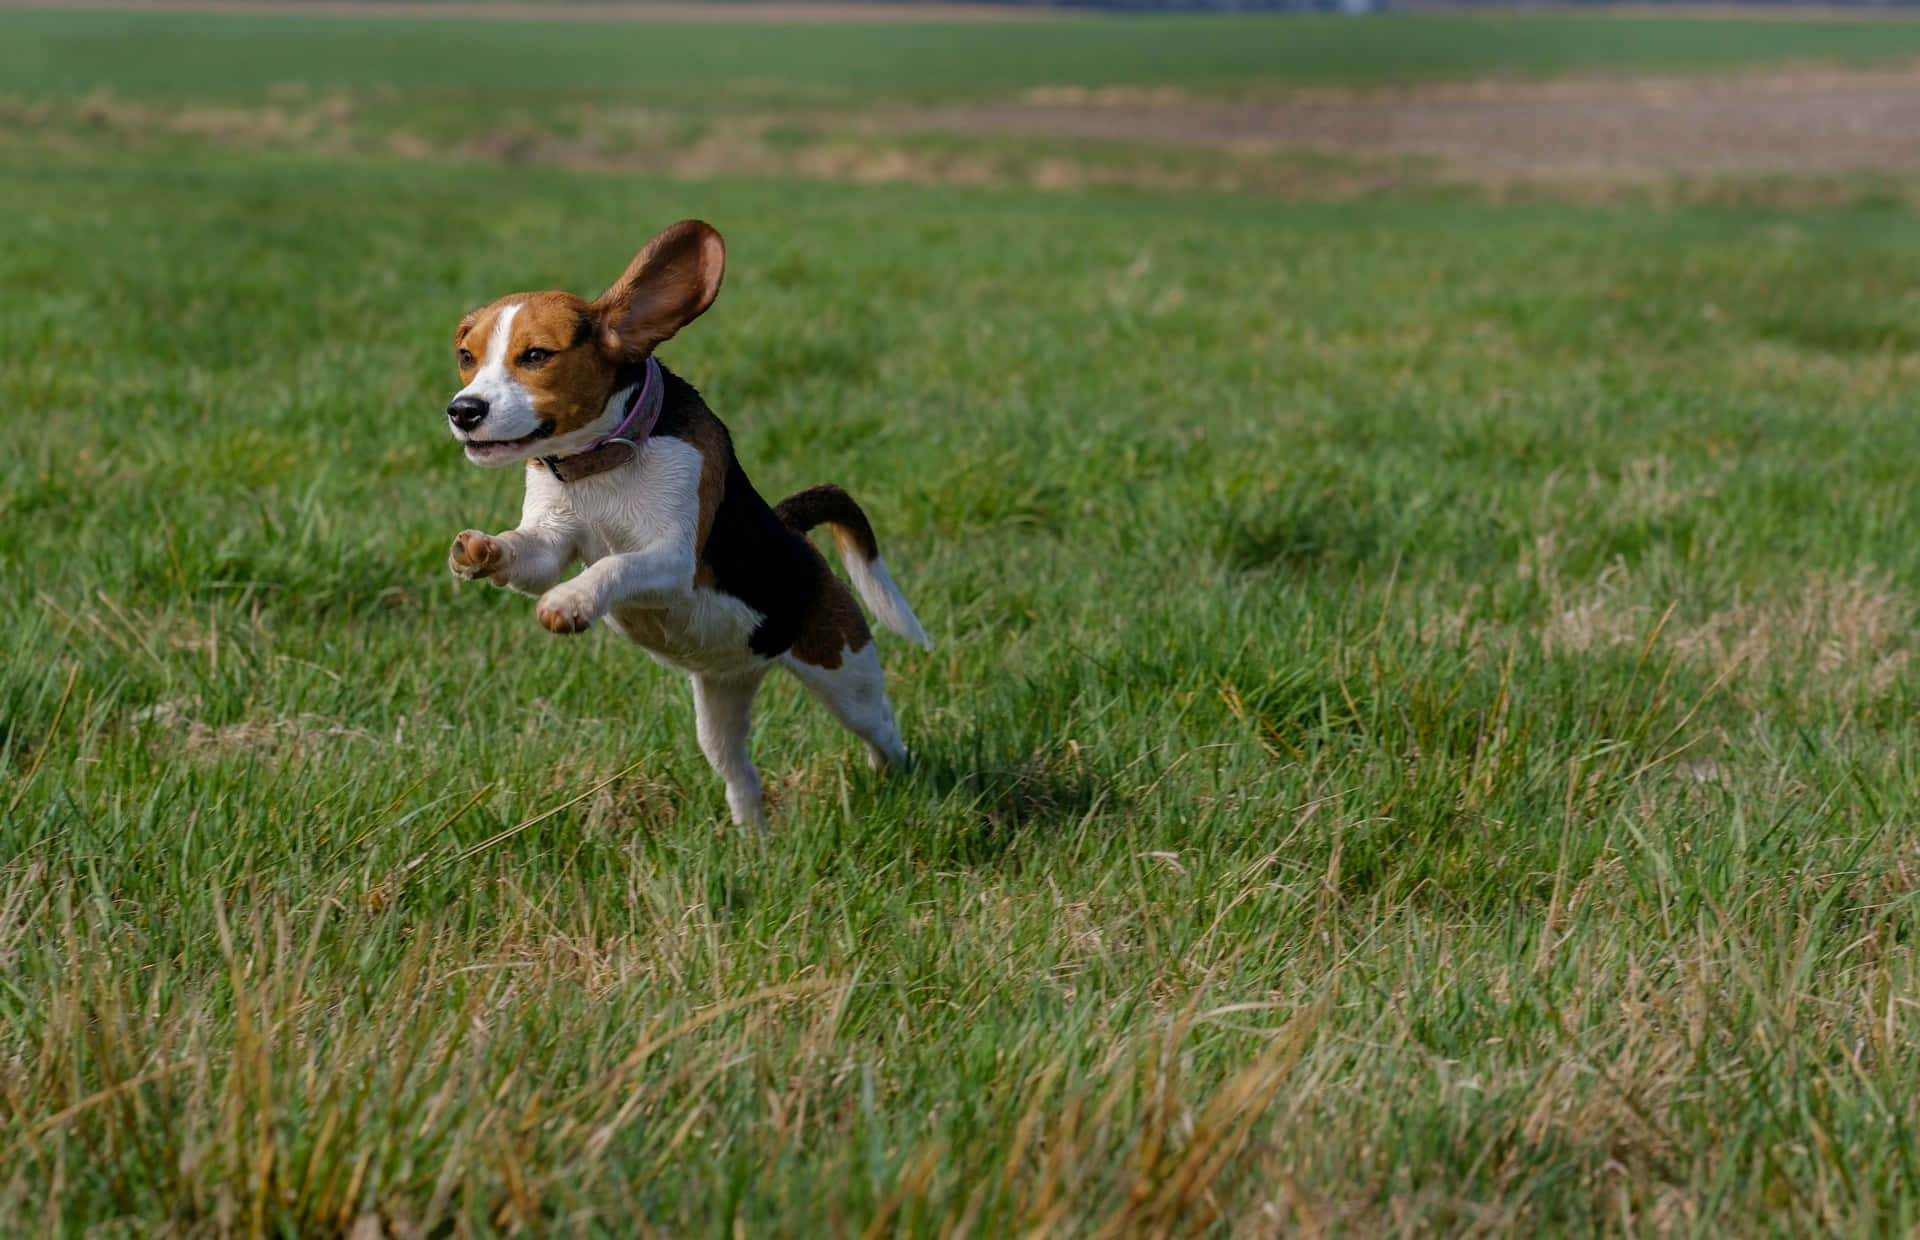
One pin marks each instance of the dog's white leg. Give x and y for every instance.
(528, 559)
(531, 557)
(660, 576)
(540, 558)
(855, 693)
(722, 711)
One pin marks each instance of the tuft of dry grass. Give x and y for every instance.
(1826, 638)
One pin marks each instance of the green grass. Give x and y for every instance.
(1419, 733)
(171, 55)
(1419, 737)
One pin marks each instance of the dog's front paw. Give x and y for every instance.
(565, 610)
(475, 555)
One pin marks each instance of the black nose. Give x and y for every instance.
(467, 412)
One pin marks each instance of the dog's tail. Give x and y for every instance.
(830, 506)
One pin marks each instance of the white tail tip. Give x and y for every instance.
(874, 584)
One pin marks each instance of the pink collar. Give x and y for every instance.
(622, 444)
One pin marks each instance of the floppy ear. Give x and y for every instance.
(668, 285)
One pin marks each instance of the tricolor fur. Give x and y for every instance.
(681, 555)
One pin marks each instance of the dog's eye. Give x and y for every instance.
(466, 360)
(533, 357)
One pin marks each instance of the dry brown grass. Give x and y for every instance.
(276, 1087)
(1810, 120)
(1827, 637)
(1493, 142)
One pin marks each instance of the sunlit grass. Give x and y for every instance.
(1418, 735)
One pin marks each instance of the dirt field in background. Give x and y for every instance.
(1808, 120)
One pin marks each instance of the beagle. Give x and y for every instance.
(629, 473)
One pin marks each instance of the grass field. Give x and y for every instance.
(237, 55)
(1419, 736)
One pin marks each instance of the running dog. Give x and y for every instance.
(632, 476)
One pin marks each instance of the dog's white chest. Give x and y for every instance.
(656, 500)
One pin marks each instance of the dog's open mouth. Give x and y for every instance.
(483, 449)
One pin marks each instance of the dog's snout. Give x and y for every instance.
(467, 412)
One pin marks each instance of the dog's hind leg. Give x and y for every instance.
(723, 711)
(855, 693)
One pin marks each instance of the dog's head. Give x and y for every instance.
(543, 371)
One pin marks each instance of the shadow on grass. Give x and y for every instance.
(985, 791)
(1297, 533)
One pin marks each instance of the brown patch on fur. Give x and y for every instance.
(833, 627)
(706, 434)
(572, 386)
(829, 505)
(477, 326)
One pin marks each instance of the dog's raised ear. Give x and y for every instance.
(669, 284)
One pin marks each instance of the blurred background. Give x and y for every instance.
(1760, 102)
